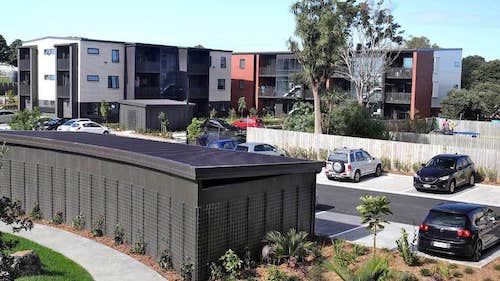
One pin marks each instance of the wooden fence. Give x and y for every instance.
(490, 129)
(401, 152)
(449, 140)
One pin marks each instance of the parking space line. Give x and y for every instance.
(346, 231)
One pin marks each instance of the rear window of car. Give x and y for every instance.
(337, 156)
(241, 148)
(446, 219)
(68, 123)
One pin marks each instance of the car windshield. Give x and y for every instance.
(74, 124)
(68, 123)
(337, 156)
(241, 148)
(441, 163)
(223, 123)
(446, 219)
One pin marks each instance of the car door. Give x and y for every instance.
(360, 163)
(491, 228)
(461, 176)
(96, 128)
(370, 164)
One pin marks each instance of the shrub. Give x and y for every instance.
(213, 113)
(139, 247)
(425, 272)
(248, 263)
(293, 278)
(273, 273)
(443, 271)
(36, 213)
(232, 114)
(342, 257)
(253, 112)
(415, 166)
(405, 167)
(292, 246)
(194, 130)
(78, 222)
(119, 234)
(497, 267)
(216, 272)
(480, 174)
(187, 269)
(405, 249)
(26, 119)
(386, 163)
(397, 164)
(457, 274)
(376, 268)
(165, 260)
(58, 218)
(403, 276)
(316, 272)
(301, 118)
(232, 264)
(452, 266)
(98, 227)
(492, 175)
(468, 270)
(359, 250)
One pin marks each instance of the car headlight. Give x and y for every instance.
(445, 178)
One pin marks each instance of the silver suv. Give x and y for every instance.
(351, 164)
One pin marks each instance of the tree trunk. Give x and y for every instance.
(359, 93)
(375, 242)
(317, 109)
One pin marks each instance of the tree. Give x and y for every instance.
(164, 124)
(26, 119)
(321, 28)
(373, 211)
(242, 105)
(463, 104)
(469, 65)
(486, 72)
(104, 110)
(194, 129)
(300, 118)
(421, 42)
(365, 54)
(489, 93)
(13, 51)
(4, 50)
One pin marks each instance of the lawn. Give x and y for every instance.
(55, 266)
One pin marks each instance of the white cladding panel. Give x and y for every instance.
(446, 75)
(216, 72)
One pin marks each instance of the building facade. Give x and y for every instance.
(69, 76)
(412, 86)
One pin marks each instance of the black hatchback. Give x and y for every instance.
(445, 172)
(459, 229)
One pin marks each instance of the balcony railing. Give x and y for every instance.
(147, 92)
(24, 89)
(24, 64)
(63, 91)
(398, 98)
(267, 91)
(267, 70)
(147, 67)
(198, 93)
(399, 73)
(63, 64)
(198, 68)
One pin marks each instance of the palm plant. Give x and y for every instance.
(373, 212)
(292, 246)
(375, 269)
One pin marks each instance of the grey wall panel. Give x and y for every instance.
(273, 211)
(112, 205)
(305, 208)
(5, 188)
(125, 209)
(72, 194)
(18, 181)
(31, 185)
(237, 224)
(45, 192)
(98, 198)
(256, 218)
(151, 222)
(290, 208)
(59, 192)
(164, 223)
(137, 213)
(86, 198)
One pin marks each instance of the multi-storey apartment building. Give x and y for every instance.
(70, 76)
(412, 86)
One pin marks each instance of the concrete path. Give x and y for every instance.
(178, 137)
(349, 228)
(102, 262)
(400, 184)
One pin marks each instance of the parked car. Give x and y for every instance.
(459, 229)
(244, 123)
(351, 164)
(217, 129)
(260, 148)
(227, 144)
(6, 116)
(89, 127)
(53, 123)
(67, 125)
(445, 172)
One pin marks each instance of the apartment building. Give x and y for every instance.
(412, 86)
(69, 76)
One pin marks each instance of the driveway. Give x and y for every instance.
(400, 184)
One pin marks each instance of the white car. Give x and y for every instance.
(351, 164)
(260, 148)
(6, 116)
(66, 126)
(89, 127)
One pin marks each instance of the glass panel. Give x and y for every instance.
(408, 62)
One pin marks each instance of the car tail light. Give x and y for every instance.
(78, 128)
(349, 167)
(424, 227)
(464, 233)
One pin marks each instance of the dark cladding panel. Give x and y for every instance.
(290, 208)
(86, 198)
(164, 225)
(59, 191)
(72, 194)
(98, 198)
(256, 218)
(112, 205)
(273, 211)
(31, 185)
(45, 192)
(5, 178)
(151, 227)
(137, 213)
(305, 208)
(125, 210)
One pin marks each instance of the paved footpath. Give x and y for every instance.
(101, 261)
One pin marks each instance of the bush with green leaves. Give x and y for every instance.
(386, 163)
(403, 276)
(416, 166)
(342, 257)
(316, 272)
(232, 114)
(300, 118)
(165, 260)
(405, 249)
(58, 218)
(273, 273)
(253, 112)
(376, 268)
(497, 267)
(78, 222)
(187, 269)
(374, 210)
(359, 250)
(194, 129)
(293, 246)
(425, 272)
(216, 272)
(231, 264)
(98, 227)
(36, 212)
(468, 270)
(26, 119)
(139, 247)
(119, 235)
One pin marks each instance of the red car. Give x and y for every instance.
(244, 123)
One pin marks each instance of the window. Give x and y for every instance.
(49, 52)
(93, 78)
(49, 77)
(241, 148)
(407, 62)
(435, 89)
(359, 156)
(221, 84)
(366, 155)
(222, 62)
(113, 82)
(92, 51)
(115, 56)
(242, 84)
(242, 63)
(263, 147)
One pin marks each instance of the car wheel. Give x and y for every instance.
(378, 171)
(357, 176)
(472, 180)
(451, 187)
(105, 133)
(478, 251)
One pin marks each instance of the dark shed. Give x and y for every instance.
(143, 114)
(193, 201)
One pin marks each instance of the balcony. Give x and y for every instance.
(24, 64)
(63, 91)
(63, 64)
(399, 73)
(267, 70)
(198, 69)
(198, 93)
(267, 91)
(398, 98)
(24, 89)
(147, 66)
(147, 92)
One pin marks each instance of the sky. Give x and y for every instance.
(238, 25)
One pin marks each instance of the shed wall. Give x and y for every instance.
(132, 117)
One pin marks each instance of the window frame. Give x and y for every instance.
(243, 63)
(113, 52)
(223, 84)
(110, 81)
(223, 62)
(242, 84)
(91, 76)
(93, 51)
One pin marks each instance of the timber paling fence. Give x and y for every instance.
(403, 152)
(485, 129)
(449, 140)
